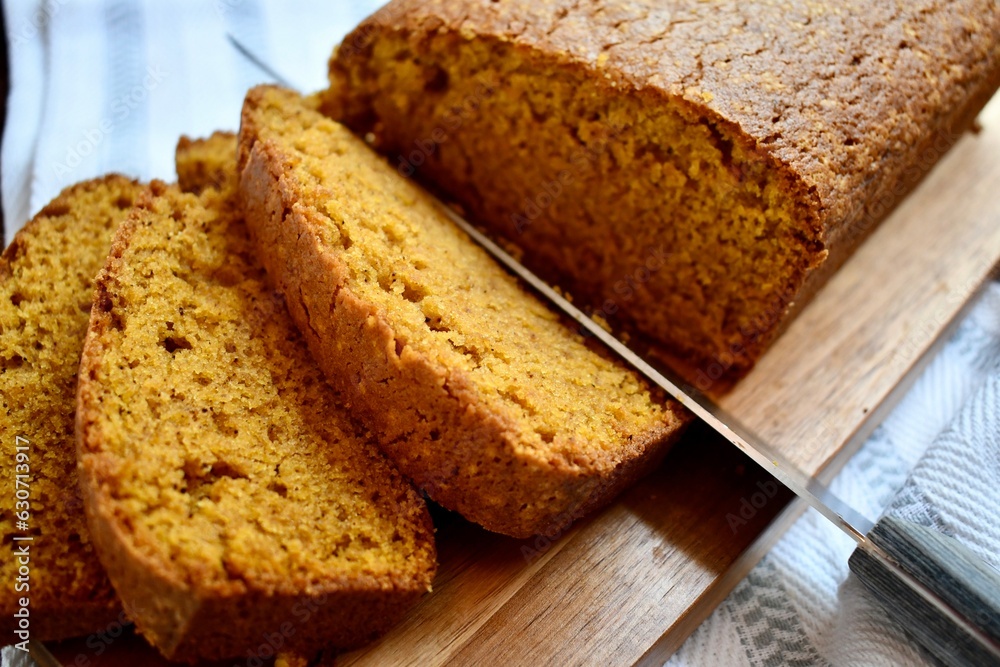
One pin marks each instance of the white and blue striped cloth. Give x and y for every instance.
(109, 85)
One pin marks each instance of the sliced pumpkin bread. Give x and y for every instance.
(47, 279)
(476, 390)
(230, 495)
(206, 163)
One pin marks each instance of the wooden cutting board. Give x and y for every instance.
(630, 584)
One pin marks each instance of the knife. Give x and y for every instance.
(943, 594)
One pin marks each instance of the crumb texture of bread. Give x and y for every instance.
(691, 170)
(477, 391)
(229, 493)
(47, 283)
(206, 163)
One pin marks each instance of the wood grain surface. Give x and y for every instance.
(631, 583)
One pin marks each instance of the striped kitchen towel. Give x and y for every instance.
(109, 85)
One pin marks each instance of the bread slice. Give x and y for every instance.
(206, 163)
(691, 170)
(47, 279)
(476, 390)
(230, 496)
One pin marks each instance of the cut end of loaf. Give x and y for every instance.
(653, 211)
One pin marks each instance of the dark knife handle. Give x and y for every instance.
(948, 570)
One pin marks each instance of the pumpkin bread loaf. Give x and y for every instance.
(229, 494)
(476, 390)
(690, 170)
(47, 280)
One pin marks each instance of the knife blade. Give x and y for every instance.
(945, 597)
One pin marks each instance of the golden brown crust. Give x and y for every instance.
(727, 58)
(289, 585)
(846, 105)
(432, 420)
(46, 280)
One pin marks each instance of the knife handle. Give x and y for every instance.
(968, 631)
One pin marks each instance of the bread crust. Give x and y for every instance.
(810, 140)
(512, 492)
